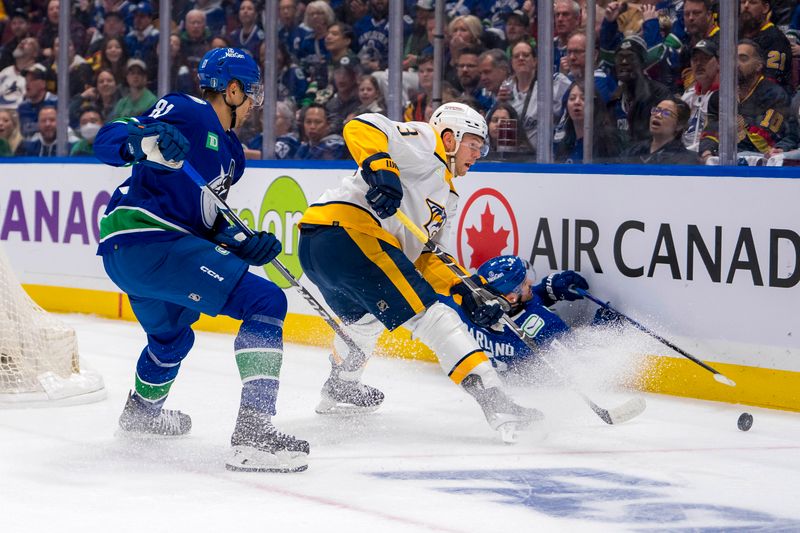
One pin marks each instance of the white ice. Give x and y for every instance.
(426, 461)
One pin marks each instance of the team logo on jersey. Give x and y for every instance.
(437, 219)
(212, 142)
(532, 325)
(221, 185)
(487, 228)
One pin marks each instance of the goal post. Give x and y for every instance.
(39, 360)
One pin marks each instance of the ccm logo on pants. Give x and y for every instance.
(211, 273)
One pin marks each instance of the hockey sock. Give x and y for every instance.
(158, 366)
(365, 333)
(259, 355)
(459, 355)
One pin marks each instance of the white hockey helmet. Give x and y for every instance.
(460, 119)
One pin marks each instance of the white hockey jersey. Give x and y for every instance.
(429, 198)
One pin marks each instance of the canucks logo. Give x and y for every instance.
(437, 219)
(221, 184)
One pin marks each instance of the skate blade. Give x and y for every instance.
(509, 432)
(328, 406)
(512, 433)
(248, 459)
(125, 434)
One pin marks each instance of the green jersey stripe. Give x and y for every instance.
(125, 219)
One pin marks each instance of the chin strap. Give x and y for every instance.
(451, 156)
(233, 111)
(233, 107)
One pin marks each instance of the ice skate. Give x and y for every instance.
(258, 447)
(344, 394)
(503, 415)
(139, 419)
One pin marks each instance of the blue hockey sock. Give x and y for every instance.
(259, 355)
(158, 365)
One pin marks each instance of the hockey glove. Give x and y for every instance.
(607, 317)
(256, 250)
(483, 308)
(559, 286)
(156, 144)
(385, 191)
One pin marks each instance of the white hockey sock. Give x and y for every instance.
(365, 333)
(442, 330)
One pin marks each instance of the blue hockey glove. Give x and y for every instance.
(481, 311)
(560, 286)
(256, 250)
(385, 191)
(156, 144)
(607, 317)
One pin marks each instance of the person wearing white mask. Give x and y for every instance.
(90, 123)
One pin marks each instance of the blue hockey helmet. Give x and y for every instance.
(220, 66)
(504, 273)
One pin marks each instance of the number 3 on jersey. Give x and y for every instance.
(161, 108)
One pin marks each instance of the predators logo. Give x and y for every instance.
(437, 219)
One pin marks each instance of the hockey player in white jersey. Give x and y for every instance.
(372, 271)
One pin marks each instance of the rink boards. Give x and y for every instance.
(710, 262)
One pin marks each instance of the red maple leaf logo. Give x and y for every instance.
(486, 242)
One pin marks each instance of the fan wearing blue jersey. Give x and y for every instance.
(165, 245)
(513, 277)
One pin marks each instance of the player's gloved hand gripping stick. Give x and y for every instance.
(234, 219)
(605, 305)
(482, 310)
(257, 249)
(156, 144)
(628, 410)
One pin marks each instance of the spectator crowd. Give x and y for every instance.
(656, 72)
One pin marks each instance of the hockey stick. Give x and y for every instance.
(234, 219)
(717, 375)
(628, 410)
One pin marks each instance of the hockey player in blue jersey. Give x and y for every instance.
(164, 243)
(513, 277)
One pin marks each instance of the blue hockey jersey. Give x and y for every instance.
(505, 349)
(154, 204)
(372, 37)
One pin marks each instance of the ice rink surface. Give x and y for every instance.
(426, 461)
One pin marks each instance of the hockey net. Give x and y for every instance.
(39, 362)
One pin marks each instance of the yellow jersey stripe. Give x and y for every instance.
(441, 155)
(348, 216)
(364, 139)
(373, 251)
(466, 365)
(438, 274)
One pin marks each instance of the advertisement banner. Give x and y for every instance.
(713, 262)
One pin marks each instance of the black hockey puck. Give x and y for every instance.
(745, 421)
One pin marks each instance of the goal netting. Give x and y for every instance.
(39, 362)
